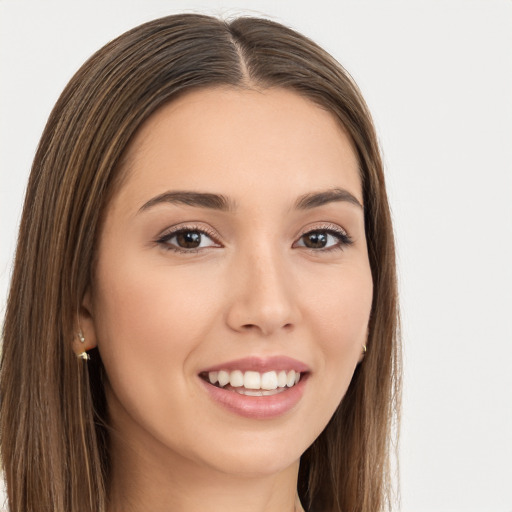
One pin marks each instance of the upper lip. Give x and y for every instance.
(260, 364)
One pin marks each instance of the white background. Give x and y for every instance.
(438, 78)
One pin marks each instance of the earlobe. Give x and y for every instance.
(363, 353)
(364, 347)
(84, 338)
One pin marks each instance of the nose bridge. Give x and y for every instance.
(263, 298)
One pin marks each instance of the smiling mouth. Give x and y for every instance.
(251, 383)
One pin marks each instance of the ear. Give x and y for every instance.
(85, 335)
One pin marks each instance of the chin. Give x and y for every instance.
(258, 456)
(260, 466)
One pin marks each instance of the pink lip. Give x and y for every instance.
(260, 364)
(257, 407)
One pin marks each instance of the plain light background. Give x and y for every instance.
(437, 76)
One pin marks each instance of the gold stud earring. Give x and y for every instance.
(364, 349)
(83, 355)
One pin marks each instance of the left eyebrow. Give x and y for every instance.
(315, 199)
(196, 199)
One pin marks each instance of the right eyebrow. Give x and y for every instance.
(314, 200)
(197, 199)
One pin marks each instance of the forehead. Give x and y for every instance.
(235, 141)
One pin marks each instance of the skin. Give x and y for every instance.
(251, 289)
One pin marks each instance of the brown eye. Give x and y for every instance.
(189, 239)
(315, 239)
(325, 239)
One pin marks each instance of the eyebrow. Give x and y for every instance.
(313, 200)
(197, 199)
(223, 203)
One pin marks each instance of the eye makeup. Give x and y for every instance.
(190, 239)
(324, 239)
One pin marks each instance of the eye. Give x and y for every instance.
(187, 240)
(326, 239)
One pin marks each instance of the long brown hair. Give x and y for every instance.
(54, 426)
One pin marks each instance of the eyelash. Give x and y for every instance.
(344, 239)
(164, 239)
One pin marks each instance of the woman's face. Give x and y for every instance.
(234, 249)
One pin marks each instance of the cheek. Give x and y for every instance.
(341, 308)
(341, 315)
(139, 298)
(149, 321)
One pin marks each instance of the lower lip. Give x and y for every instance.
(258, 407)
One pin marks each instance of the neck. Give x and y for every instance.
(167, 482)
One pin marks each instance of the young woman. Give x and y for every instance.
(203, 311)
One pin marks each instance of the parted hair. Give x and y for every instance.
(53, 414)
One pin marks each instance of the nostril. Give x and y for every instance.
(265, 329)
(250, 327)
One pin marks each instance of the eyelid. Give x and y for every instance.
(169, 233)
(187, 227)
(333, 229)
(323, 226)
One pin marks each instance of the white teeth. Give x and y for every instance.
(251, 380)
(236, 379)
(281, 379)
(223, 378)
(269, 380)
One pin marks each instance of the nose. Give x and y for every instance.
(262, 298)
